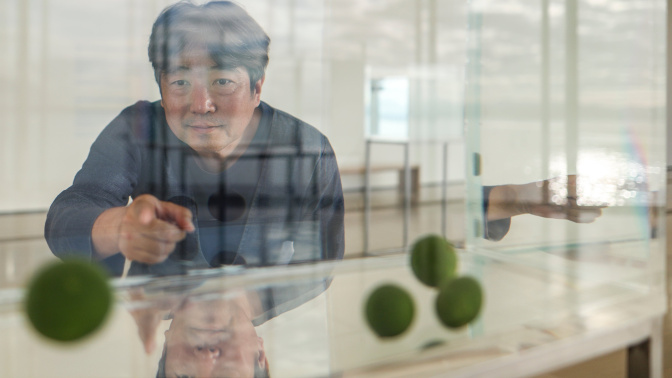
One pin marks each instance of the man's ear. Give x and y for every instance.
(158, 82)
(262, 361)
(257, 89)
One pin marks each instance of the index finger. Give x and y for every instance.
(179, 215)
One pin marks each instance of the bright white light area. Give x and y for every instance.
(604, 178)
(389, 110)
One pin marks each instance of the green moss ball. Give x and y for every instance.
(389, 310)
(66, 301)
(459, 301)
(433, 260)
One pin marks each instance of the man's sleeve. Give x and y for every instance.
(331, 207)
(318, 236)
(494, 230)
(319, 232)
(106, 180)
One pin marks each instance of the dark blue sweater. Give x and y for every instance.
(295, 213)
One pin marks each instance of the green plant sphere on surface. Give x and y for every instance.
(389, 310)
(66, 301)
(433, 260)
(459, 301)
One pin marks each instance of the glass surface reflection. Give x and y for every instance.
(214, 318)
(212, 338)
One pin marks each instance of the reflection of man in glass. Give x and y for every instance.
(216, 176)
(213, 338)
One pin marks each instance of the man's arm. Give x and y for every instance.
(321, 233)
(331, 208)
(554, 198)
(317, 235)
(105, 181)
(91, 219)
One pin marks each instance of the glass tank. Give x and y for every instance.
(577, 130)
(529, 135)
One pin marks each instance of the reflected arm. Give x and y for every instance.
(554, 198)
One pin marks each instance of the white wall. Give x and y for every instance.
(67, 67)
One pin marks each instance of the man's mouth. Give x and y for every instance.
(203, 128)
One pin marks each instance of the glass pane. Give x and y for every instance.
(435, 110)
(306, 335)
(563, 92)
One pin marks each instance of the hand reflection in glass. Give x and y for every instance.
(556, 198)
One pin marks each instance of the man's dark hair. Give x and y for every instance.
(224, 29)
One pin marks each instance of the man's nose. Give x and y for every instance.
(201, 101)
(208, 352)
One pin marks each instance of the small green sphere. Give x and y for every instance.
(433, 260)
(389, 310)
(459, 301)
(66, 301)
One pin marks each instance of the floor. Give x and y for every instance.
(22, 249)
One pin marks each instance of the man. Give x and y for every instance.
(215, 175)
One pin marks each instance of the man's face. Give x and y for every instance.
(213, 339)
(208, 107)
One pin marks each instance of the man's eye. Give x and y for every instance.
(180, 83)
(223, 82)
